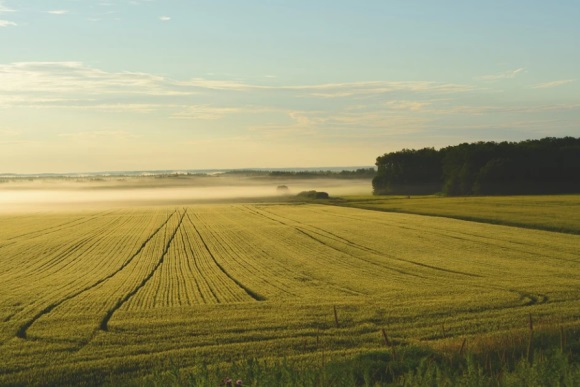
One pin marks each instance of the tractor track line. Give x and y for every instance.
(377, 252)
(250, 292)
(62, 226)
(104, 322)
(21, 333)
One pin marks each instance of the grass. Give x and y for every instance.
(559, 213)
(487, 364)
(132, 295)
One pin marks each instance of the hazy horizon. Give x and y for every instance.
(58, 195)
(126, 85)
(153, 172)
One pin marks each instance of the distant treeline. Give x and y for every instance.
(362, 173)
(545, 166)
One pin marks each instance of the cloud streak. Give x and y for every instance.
(278, 112)
(204, 112)
(413, 106)
(340, 125)
(3, 22)
(549, 85)
(5, 9)
(338, 90)
(97, 134)
(505, 75)
(76, 78)
(480, 110)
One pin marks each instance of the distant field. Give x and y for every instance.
(551, 212)
(90, 295)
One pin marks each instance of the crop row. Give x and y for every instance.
(54, 274)
(125, 288)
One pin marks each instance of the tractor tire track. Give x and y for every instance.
(105, 231)
(230, 243)
(61, 226)
(88, 243)
(302, 231)
(198, 269)
(531, 298)
(249, 292)
(103, 325)
(526, 298)
(463, 236)
(21, 333)
(59, 255)
(367, 249)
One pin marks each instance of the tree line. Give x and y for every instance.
(546, 166)
(361, 173)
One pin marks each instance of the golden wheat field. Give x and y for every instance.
(93, 293)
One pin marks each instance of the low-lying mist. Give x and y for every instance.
(50, 194)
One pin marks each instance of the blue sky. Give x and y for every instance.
(150, 84)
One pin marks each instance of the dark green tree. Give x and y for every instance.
(548, 165)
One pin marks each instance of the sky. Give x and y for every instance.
(150, 85)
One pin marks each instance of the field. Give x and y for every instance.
(559, 213)
(88, 296)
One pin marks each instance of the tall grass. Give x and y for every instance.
(497, 360)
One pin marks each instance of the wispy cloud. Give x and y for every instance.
(488, 109)
(118, 107)
(204, 112)
(504, 75)
(75, 77)
(210, 112)
(525, 126)
(218, 84)
(35, 102)
(11, 100)
(3, 22)
(414, 106)
(341, 125)
(58, 12)
(272, 131)
(371, 109)
(95, 134)
(5, 9)
(548, 85)
(165, 18)
(338, 90)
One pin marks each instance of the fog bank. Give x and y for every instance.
(46, 195)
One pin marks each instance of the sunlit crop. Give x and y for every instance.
(118, 291)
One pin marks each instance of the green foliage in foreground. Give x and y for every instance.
(547, 212)
(550, 364)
